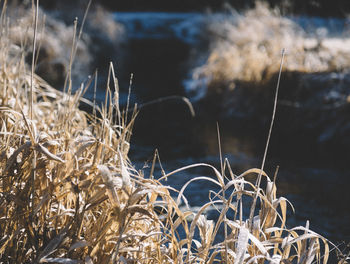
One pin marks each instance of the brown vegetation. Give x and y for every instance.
(69, 194)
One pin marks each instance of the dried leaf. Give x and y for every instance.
(78, 244)
(60, 260)
(242, 244)
(46, 152)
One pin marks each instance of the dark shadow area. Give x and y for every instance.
(324, 8)
(312, 114)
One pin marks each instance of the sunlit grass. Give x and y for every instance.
(245, 48)
(69, 193)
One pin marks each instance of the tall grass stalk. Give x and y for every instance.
(35, 29)
(258, 182)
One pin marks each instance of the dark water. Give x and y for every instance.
(159, 49)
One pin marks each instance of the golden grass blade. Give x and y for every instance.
(48, 154)
(125, 174)
(30, 129)
(167, 98)
(3, 12)
(259, 245)
(180, 195)
(35, 29)
(238, 181)
(254, 170)
(7, 240)
(242, 243)
(109, 183)
(326, 251)
(268, 139)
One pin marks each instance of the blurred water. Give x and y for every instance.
(159, 47)
(184, 26)
(188, 26)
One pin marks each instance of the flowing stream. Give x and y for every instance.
(158, 52)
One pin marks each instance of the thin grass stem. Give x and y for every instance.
(257, 184)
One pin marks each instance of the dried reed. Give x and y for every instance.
(87, 204)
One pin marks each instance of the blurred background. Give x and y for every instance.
(309, 7)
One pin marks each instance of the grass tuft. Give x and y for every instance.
(69, 193)
(245, 48)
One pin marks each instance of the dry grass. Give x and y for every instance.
(247, 47)
(69, 194)
(54, 38)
